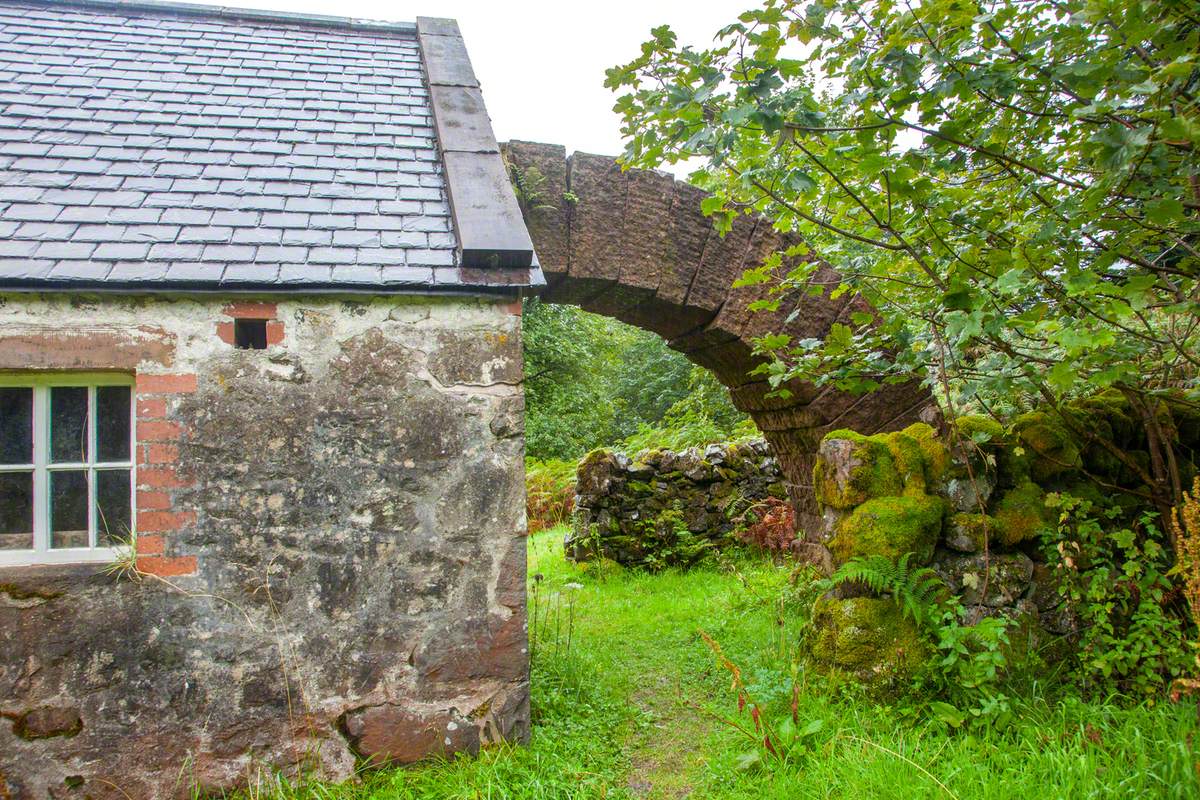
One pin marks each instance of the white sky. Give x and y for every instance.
(542, 62)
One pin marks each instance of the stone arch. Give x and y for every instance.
(633, 245)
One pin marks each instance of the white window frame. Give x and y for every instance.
(41, 384)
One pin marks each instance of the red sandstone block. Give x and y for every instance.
(274, 332)
(250, 309)
(150, 545)
(161, 454)
(151, 408)
(153, 501)
(225, 332)
(513, 308)
(166, 384)
(167, 567)
(161, 521)
(159, 478)
(159, 431)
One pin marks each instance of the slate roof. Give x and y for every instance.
(171, 147)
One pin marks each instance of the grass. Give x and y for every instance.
(627, 711)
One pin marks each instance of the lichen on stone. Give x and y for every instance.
(868, 638)
(970, 532)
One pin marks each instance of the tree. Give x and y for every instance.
(1014, 185)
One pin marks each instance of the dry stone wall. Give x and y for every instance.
(662, 508)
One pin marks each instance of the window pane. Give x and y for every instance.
(69, 509)
(112, 423)
(68, 423)
(16, 510)
(16, 426)
(112, 507)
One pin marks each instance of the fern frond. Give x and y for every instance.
(914, 589)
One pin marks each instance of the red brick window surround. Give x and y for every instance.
(250, 310)
(144, 359)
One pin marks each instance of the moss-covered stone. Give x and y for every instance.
(1052, 448)
(909, 460)
(970, 532)
(976, 426)
(933, 451)
(851, 468)
(890, 526)
(868, 638)
(1021, 514)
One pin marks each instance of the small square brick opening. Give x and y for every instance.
(250, 334)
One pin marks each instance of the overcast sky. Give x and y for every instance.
(542, 62)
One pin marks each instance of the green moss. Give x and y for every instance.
(868, 638)
(933, 451)
(871, 472)
(909, 460)
(890, 526)
(976, 426)
(1021, 514)
(1051, 446)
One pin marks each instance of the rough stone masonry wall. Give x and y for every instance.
(334, 534)
(974, 511)
(663, 508)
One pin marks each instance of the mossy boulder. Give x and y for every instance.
(970, 532)
(980, 429)
(869, 639)
(890, 526)
(1051, 448)
(1022, 514)
(852, 468)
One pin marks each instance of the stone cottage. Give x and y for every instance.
(261, 497)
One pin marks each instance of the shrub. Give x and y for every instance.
(1115, 576)
(549, 493)
(769, 525)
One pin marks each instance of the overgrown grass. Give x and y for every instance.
(627, 712)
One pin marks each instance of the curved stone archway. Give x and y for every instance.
(633, 245)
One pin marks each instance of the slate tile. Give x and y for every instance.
(79, 270)
(120, 251)
(65, 250)
(40, 212)
(308, 237)
(137, 272)
(251, 273)
(194, 272)
(228, 252)
(205, 233)
(176, 252)
(407, 276)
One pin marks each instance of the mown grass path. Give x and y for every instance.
(625, 693)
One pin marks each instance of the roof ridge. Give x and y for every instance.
(162, 7)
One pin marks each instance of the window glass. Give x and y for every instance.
(68, 424)
(69, 509)
(113, 524)
(16, 510)
(112, 423)
(16, 426)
